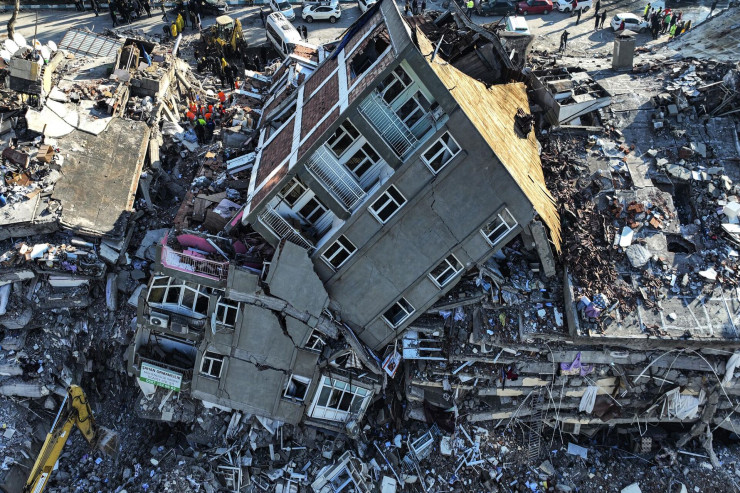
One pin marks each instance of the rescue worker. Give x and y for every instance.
(112, 11)
(221, 97)
(210, 128)
(470, 5)
(646, 11)
(563, 41)
(200, 130)
(147, 7)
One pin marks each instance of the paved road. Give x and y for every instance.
(52, 24)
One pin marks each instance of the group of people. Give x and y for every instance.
(665, 21)
(414, 7)
(204, 118)
(128, 10)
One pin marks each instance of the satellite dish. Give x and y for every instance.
(20, 40)
(11, 46)
(52, 46)
(5, 55)
(45, 52)
(36, 44)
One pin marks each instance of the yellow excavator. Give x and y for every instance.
(225, 37)
(75, 411)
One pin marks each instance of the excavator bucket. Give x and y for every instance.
(107, 441)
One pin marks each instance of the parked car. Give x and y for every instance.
(567, 6)
(322, 13)
(631, 22)
(213, 7)
(284, 7)
(500, 8)
(535, 7)
(516, 24)
(365, 4)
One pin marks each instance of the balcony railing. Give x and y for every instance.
(388, 124)
(183, 262)
(335, 178)
(282, 228)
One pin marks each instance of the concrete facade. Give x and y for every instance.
(445, 209)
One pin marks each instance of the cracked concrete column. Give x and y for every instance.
(542, 245)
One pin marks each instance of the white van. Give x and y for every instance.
(282, 34)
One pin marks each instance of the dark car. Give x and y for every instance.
(535, 7)
(499, 8)
(213, 7)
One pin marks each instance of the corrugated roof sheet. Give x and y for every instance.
(82, 42)
(492, 110)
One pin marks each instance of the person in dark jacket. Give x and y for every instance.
(112, 10)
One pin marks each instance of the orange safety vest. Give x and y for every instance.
(191, 116)
(208, 116)
(221, 96)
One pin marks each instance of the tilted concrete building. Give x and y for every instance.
(397, 172)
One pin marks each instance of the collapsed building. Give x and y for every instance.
(406, 262)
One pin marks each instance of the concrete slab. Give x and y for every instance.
(293, 279)
(101, 175)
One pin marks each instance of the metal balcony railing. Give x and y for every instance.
(335, 178)
(282, 228)
(200, 266)
(388, 124)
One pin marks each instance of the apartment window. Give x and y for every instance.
(343, 137)
(212, 364)
(412, 110)
(497, 229)
(226, 311)
(367, 54)
(400, 311)
(338, 252)
(394, 85)
(387, 204)
(293, 191)
(336, 400)
(312, 210)
(362, 160)
(315, 341)
(189, 296)
(297, 387)
(446, 270)
(441, 152)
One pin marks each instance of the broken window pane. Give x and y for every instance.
(387, 204)
(398, 312)
(312, 210)
(366, 55)
(297, 387)
(412, 111)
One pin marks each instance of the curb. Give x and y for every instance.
(105, 5)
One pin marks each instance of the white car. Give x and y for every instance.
(566, 6)
(322, 13)
(284, 7)
(631, 22)
(365, 4)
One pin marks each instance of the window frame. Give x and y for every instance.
(406, 311)
(397, 79)
(293, 184)
(338, 390)
(345, 133)
(212, 357)
(440, 152)
(315, 341)
(184, 289)
(508, 228)
(342, 246)
(319, 206)
(448, 268)
(222, 321)
(388, 198)
(303, 381)
(366, 161)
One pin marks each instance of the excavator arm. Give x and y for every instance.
(75, 411)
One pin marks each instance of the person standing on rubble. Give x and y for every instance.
(646, 11)
(164, 12)
(423, 5)
(200, 130)
(210, 128)
(597, 6)
(229, 74)
(563, 41)
(596, 22)
(79, 6)
(94, 7)
(262, 16)
(470, 6)
(578, 16)
(711, 9)
(603, 18)
(147, 6)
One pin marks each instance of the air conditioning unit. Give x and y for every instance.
(159, 319)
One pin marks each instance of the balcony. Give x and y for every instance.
(193, 264)
(335, 178)
(391, 128)
(282, 229)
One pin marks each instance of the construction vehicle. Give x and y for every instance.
(225, 38)
(75, 411)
